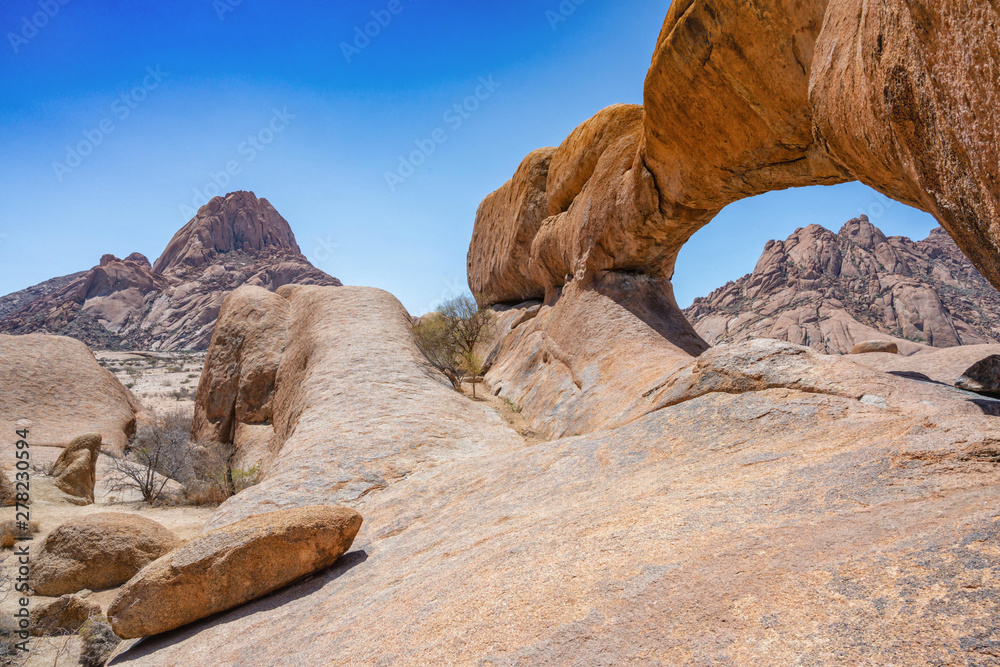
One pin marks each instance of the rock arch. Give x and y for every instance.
(741, 98)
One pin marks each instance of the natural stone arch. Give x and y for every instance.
(734, 107)
(741, 98)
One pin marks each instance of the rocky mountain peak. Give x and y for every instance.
(830, 291)
(861, 232)
(128, 304)
(237, 222)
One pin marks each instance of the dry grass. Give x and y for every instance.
(99, 641)
(9, 533)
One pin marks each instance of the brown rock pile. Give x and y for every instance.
(96, 552)
(830, 291)
(76, 468)
(55, 386)
(230, 566)
(126, 303)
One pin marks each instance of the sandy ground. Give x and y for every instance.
(162, 381)
(507, 410)
(49, 510)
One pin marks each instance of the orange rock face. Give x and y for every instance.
(905, 97)
(237, 384)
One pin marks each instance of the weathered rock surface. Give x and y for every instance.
(230, 566)
(938, 366)
(803, 508)
(62, 616)
(588, 362)
(903, 97)
(236, 390)
(97, 551)
(830, 291)
(742, 99)
(874, 346)
(353, 407)
(982, 377)
(76, 468)
(57, 386)
(126, 303)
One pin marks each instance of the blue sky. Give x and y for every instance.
(170, 95)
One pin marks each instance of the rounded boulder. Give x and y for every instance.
(97, 552)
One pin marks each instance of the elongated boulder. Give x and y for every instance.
(870, 346)
(96, 552)
(230, 566)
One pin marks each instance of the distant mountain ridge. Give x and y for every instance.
(173, 304)
(829, 291)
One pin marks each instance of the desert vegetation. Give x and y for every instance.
(161, 452)
(452, 336)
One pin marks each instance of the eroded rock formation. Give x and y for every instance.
(126, 303)
(741, 99)
(332, 381)
(830, 291)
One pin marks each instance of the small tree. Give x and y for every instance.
(467, 325)
(449, 337)
(435, 342)
(158, 452)
(213, 466)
